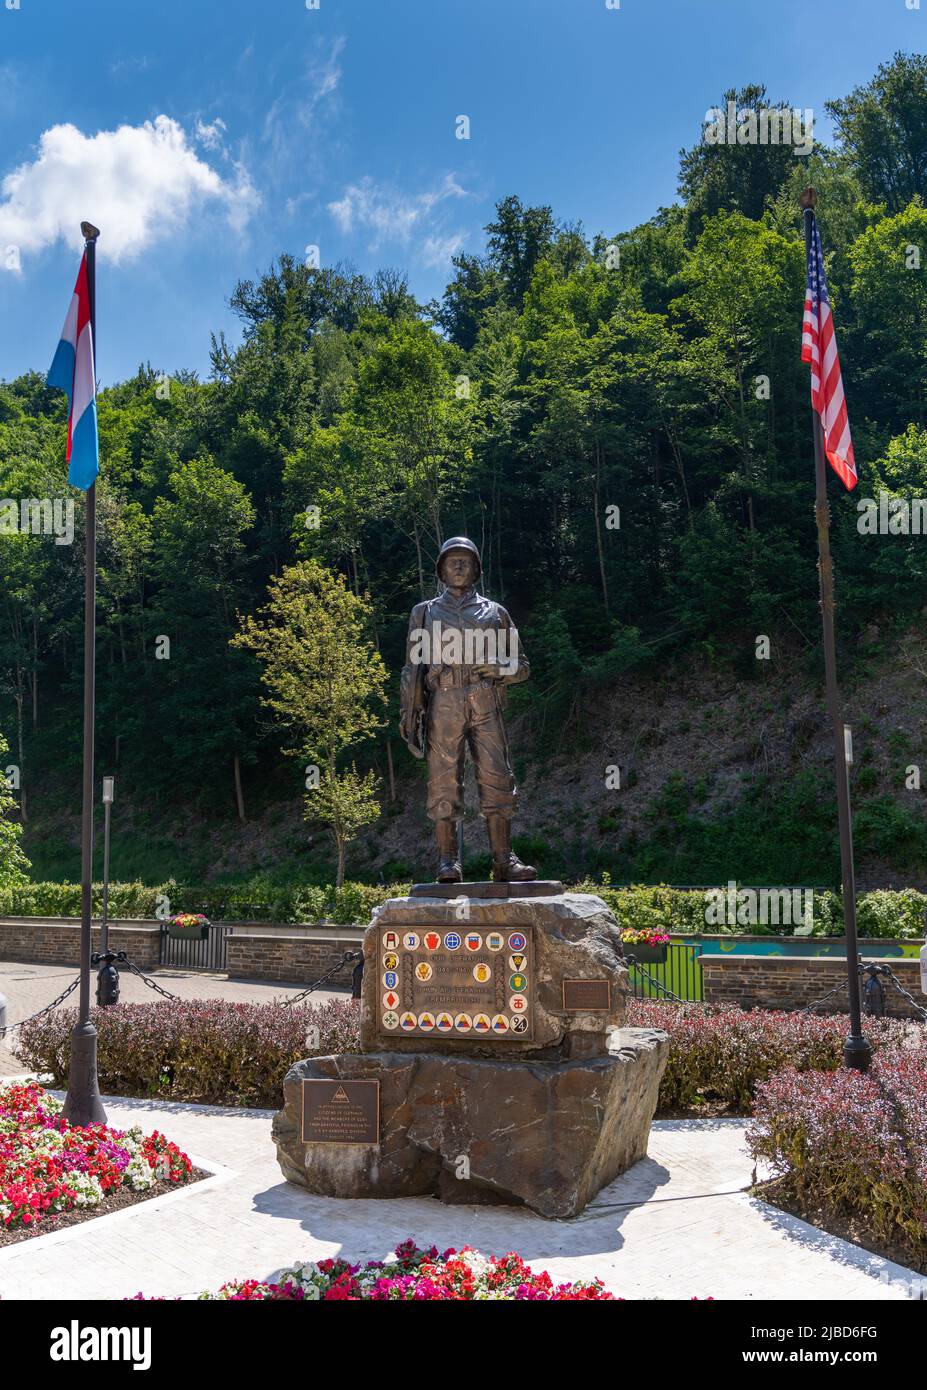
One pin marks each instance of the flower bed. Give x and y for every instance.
(48, 1167)
(848, 1151)
(412, 1276)
(221, 1053)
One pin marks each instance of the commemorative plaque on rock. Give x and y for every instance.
(456, 983)
(341, 1112)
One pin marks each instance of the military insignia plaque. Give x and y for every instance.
(587, 996)
(456, 983)
(341, 1112)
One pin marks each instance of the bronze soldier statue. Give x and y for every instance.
(461, 652)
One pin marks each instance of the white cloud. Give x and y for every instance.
(438, 251)
(210, 134)
(390, 215)
(302, 105)
(136, 183)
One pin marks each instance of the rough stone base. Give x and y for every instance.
(545, 1135)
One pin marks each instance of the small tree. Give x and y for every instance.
(13, 863)
(323, 676)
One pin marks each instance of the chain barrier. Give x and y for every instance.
(652, 979)
(47, 1010)
(345, 960)
(149, 982)
(878, 1007)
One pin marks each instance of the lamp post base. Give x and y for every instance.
(856, 1052)
(82, 1104)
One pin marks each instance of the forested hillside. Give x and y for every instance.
(620, 419)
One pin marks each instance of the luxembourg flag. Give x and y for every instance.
(72, 370)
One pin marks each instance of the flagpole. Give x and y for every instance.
(856, 1050)
(82, 1105)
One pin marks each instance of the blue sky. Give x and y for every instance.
(206, 136)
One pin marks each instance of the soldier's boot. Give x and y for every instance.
(449, 870)
(506, 866)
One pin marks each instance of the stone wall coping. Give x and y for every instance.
(145, 924)
(820, 962)
(285, 931)
(790, 937)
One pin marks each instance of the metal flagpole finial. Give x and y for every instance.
(809, 197)
(89, 232)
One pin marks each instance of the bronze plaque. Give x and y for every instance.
(341, 1112)
(456, 982)
(587, 996)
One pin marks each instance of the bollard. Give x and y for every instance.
(2, 1010)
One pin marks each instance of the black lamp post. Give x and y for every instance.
(108, 976)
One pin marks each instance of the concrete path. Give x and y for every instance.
(677, 1225)
(29, 987)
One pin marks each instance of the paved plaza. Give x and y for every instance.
(676, 1226)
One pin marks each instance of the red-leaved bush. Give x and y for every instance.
(222, 1053)
(853, 1144)
(207, 1050)
(720, 1052)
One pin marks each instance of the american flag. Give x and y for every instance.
(819, 347)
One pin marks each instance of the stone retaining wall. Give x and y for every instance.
(57, 939)
(292, 955)
(792, 982)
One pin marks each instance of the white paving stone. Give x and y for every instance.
(678, 1225)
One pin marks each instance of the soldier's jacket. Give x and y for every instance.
(471, 612)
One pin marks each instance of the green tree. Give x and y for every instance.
(13, 863)
(323, 677)
(882, 127)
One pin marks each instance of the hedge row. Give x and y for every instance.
(850, 1149)
(883, 913)
(224, 1053)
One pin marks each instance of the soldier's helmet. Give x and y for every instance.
(458, 543)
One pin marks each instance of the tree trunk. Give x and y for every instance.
(20, 745)
(392, 774)
(35, 674)
(239, 795)
(339, 882)
(598, 525)
(418, 553)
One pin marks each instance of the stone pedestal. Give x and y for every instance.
(539, 1134)
(543, 1112)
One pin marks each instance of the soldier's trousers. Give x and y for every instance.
(458, 717)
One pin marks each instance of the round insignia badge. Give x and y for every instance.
(390, 1020)
(481, 972)
(473, 941)
(495, 941)
(444, 1023)
(390, 961)
(391, 941)
(426, 1022)
(517, 941)
(452, 941)
(390, 999)
(518, 1003)
(432, 940)
(463, 1023)
(500, 1023)
(390, 979)
(407, 1021)
(411, 940)
(517, 961)
(481, 1023)
(423, 971)
(519, 1024)
(519, 983)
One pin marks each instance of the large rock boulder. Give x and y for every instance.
(573, 937)
(547, 1135)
